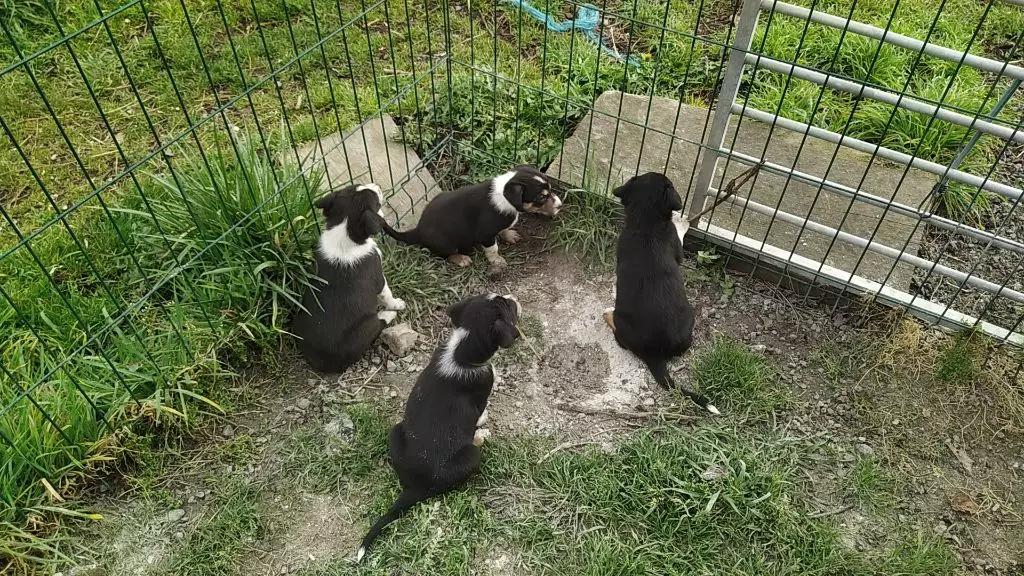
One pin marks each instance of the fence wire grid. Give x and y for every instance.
(157, 189)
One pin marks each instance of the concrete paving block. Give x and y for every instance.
(375, 153)
(620, 149)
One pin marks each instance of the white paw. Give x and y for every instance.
(480, 436)
(395, 304)
(482, 419)
(388, 316)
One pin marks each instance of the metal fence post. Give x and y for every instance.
(723, 109)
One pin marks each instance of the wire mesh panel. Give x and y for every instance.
(157, 198)
(901, 237)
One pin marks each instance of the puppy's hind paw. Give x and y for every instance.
(509, 236)
(388, 316)
(609, 318)
(460, 260)
(481, 434)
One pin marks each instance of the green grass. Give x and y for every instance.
(959, 363)
(650, 507)
(233, 523)
(734, 377)
(869, 484)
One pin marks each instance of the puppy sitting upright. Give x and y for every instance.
(340, 318)
(436, 447)
(652, 317)
(456, 222)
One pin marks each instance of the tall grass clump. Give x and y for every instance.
(137, 321)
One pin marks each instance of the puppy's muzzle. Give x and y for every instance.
(549, 207)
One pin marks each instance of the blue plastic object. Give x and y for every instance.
(587, 20)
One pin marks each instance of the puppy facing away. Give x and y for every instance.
(652, 317)
(340, 318)
(436, 446)
(456, 222)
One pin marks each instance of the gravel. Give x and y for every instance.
(972, 256)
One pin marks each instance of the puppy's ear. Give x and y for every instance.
(325, 202)
(505, 333)
(672, 198)
(455, 311)
(372, 223)
(514, 194)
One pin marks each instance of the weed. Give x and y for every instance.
(589, 223)
(232, 526)
(734, 376)
(869, 484)
(958, 364)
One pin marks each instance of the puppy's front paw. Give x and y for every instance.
(460, 260)
(609, 318)
(482, 419)
(388, 316)
(481, 434)
(395, 304)
(509, 236)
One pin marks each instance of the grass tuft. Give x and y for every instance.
(733, 376)
(959, 363)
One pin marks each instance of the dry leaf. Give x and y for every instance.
(964, 504)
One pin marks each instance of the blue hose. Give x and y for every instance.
(587, 20)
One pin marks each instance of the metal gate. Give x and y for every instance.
(746, 61)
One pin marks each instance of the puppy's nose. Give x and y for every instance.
(519, 307)
(556, 203)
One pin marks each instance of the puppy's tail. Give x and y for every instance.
(404, 501)
(659, 369)
(407, 237)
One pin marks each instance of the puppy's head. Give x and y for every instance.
(530, 191)
(359, 205)
(651, 193)
(490, 322)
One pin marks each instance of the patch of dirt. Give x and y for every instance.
(306, 530)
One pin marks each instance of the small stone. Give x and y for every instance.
(227, 431)
(302, 403)
(648, 401)
(392, 367)
(174, 516)
(86, 570)
(864, 449)
(758, 348)
(400, 339)
(340, 427)
(518, 404)
(393, 394)
(178, 535)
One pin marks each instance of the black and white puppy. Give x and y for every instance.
(652, 317)
(436, 446)
(340, 318)
(454, 223)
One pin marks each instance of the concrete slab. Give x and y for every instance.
(375, 153)
(615, 154)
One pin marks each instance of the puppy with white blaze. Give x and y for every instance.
(339, 320)
(652, 317)
(436, 446)
(454, 223)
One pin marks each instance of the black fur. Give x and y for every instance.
(653, 318)
(432, 448)
(458, 221)
(339, 320)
